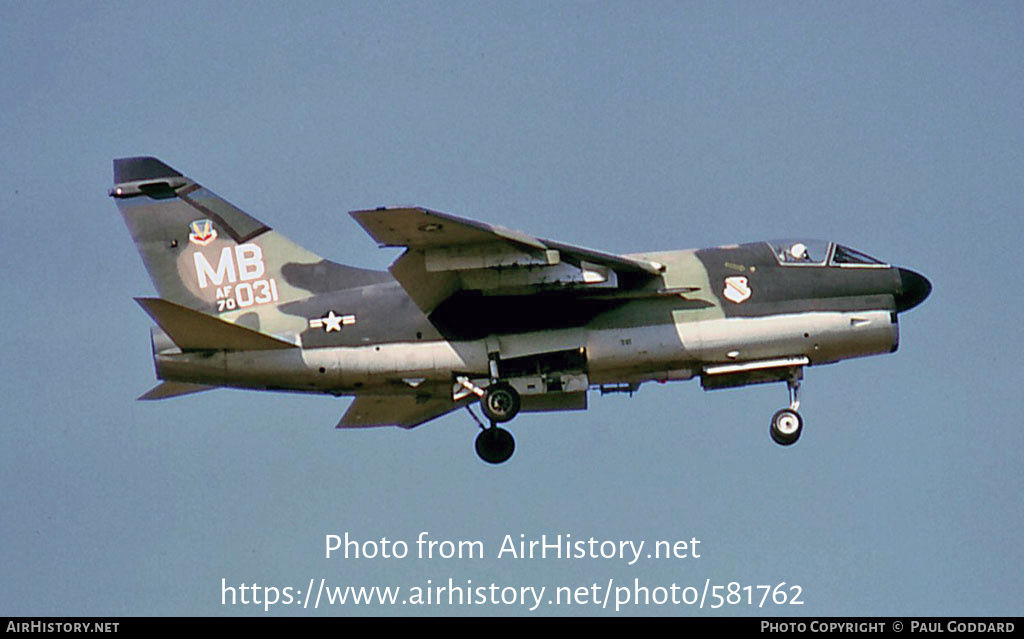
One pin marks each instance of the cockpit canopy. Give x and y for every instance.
(805, 252)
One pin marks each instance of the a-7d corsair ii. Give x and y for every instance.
(475, 313)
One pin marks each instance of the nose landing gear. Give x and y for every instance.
(787, 424)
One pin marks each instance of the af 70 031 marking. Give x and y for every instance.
(479, 313)
(242, 264)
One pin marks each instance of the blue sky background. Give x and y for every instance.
(895, 128)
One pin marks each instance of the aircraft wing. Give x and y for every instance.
(407, 411)
(445, 254)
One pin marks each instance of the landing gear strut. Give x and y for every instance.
(787, 424)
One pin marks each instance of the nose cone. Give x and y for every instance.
(914, 288)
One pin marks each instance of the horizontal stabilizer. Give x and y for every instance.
(163, 390)
(407, 411)
(195, 331)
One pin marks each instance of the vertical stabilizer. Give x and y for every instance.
(205, 254)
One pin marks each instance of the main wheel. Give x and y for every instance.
(500, 402)
(786, 426)
(495, 445)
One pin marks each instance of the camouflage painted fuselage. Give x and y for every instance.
(241, 306)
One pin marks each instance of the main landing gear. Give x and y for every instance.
(500, 403)
(787, 424)
(495, 445)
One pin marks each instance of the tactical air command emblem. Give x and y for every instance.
(737, 289)
(202, 232)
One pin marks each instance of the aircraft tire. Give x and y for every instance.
(786, 426)
(500, 402)
(495, 445)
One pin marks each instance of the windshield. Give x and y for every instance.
(846, 256)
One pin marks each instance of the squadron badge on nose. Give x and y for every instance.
(737, 289)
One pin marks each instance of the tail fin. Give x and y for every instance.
(205, 254)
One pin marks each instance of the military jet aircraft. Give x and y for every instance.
(473, 313)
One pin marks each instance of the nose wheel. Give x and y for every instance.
(787, 424)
